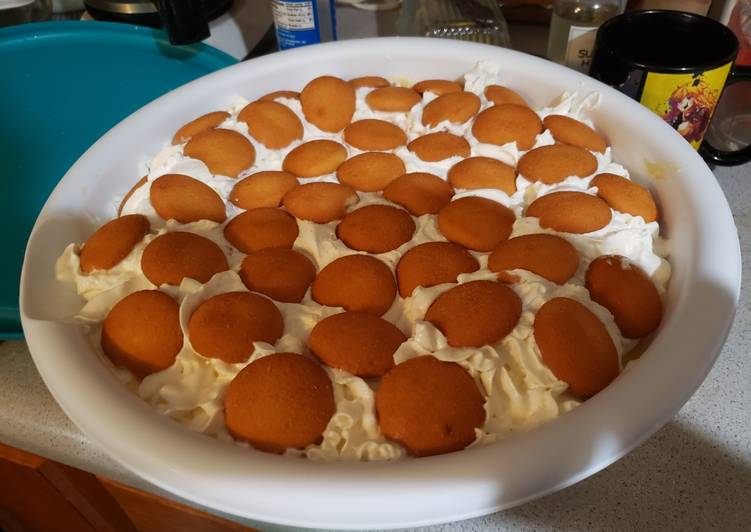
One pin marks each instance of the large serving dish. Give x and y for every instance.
(699, 308)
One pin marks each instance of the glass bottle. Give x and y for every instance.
(573, 27)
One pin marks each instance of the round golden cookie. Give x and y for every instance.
(570, 212)
(127, 196)
(292, 95)
(224, 152)
(357, 342)
(375, 82)
(439, 146)
(498, 94)
(315, 158)
(508, 122)
(373, 134)
(392, 99)
(261, 228)
(432, 263)
(328, 103)
(456, 107)
(476, 313)
(226, 325)
(278, 402)
(182, 198)
(476, 223)
(319, 202)
(548, 256)
(627, 292)
(142, 332)
(370, 171)
(570, 131)
(200, 124)
(437, 86)
(483, 172)
(262, 189)
(429, 406)
(419, 192)
(554, 163)
(576, 346)
(279, 273)
(272, 124)
(376, 228)
(112, 242)
(357, 283)
(171, 257)
(625, 196)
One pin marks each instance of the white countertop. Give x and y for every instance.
(694, 473)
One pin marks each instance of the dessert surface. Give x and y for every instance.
(375, 249)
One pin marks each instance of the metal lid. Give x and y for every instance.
(123, 7)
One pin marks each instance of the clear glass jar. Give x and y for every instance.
(573, 27)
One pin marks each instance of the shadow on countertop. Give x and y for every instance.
(678, 480)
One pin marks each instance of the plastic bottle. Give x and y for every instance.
(573, 27)
(465, 20)
(303, 22)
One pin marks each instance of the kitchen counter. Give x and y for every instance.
(694, 473)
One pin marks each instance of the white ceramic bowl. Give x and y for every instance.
(700, 304)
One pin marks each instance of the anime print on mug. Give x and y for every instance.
(685, 101)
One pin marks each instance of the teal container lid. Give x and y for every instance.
(63, 85)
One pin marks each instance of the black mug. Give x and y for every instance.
(676, 64)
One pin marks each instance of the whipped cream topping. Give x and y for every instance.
(520, 391)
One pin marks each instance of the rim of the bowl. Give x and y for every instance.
(269, 488)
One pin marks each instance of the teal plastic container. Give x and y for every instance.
(63, 85)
